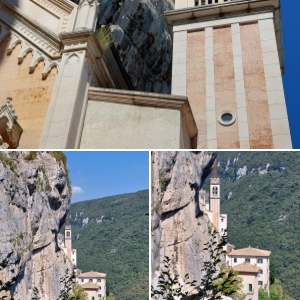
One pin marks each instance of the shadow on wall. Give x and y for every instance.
(4, 35)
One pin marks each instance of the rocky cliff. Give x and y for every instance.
(141, 36)
(179, 227)
(34, 201)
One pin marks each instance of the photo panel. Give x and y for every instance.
(224, 224)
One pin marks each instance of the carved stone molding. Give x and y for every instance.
(42, 39)
(14, 130)
(59, 8)
(37, 55)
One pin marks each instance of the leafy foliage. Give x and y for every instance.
(254, 203)
(216, 282)
(169, 286)
(78, 293)
(118, 245)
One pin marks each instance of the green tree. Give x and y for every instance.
(230, 284)
(262, 294)
(111, 296)
(272, 271)
(214, 284)
(78, 293)
(170, 288)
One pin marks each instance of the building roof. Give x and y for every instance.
(90, 285)
(92, 274)
(246, 267)
(214, 172)
(67, 223)
(250, 252)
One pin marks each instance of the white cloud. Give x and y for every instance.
(77, 190)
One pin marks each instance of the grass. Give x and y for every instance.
(61, 157)
(104, 38)
(162, 181)
(31, 155)
(7, 161)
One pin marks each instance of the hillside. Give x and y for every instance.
(111, 235)
(260, 192)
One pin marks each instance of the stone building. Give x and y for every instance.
(211, 201)
(94, 284)
(67, 244)
(253, 265)
(228, 61)
(68, 91)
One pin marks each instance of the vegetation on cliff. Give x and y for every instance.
(111, 236)
(260, 192)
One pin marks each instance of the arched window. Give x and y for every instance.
(68, 234)
(215, 190)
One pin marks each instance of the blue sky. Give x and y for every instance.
(97, 174)
(291, 79)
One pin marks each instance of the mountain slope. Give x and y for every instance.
(260, 192)
(111, 235)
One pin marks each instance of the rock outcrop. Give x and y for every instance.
(141, 36)
(34, 202)
(179, 227)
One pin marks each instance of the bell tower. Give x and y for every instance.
(214, 195)
(68, 238)
(228, 61)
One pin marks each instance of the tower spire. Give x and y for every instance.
(214, 173)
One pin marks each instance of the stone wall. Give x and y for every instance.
(30, 93)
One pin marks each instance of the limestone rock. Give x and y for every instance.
(179, 228)
(141, 37)
(34, 202)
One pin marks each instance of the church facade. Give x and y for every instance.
(61, 89)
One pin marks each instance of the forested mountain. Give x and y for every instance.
(260, 192)
(111, 235)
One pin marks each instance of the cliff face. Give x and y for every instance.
(179, 228)
(140, 34)
(34, 201)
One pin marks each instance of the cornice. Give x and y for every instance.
(62, 6)
(180, 103)
(36, 34)
(218, 11)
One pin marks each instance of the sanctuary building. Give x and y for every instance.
(62, 88)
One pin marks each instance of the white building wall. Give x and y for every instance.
(222, 223)
(102, 286)
(264, 266)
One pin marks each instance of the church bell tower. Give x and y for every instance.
(214, 196)
(68, 238)
(228, 61)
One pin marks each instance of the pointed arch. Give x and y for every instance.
(35, 62)
(24, 51)
(13, 43)
(72, 58)
(48, 69)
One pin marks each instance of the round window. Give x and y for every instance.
(226, 117)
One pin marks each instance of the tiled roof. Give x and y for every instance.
(90, 285)
(92, 274)
(246, 267)
(250, 252)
